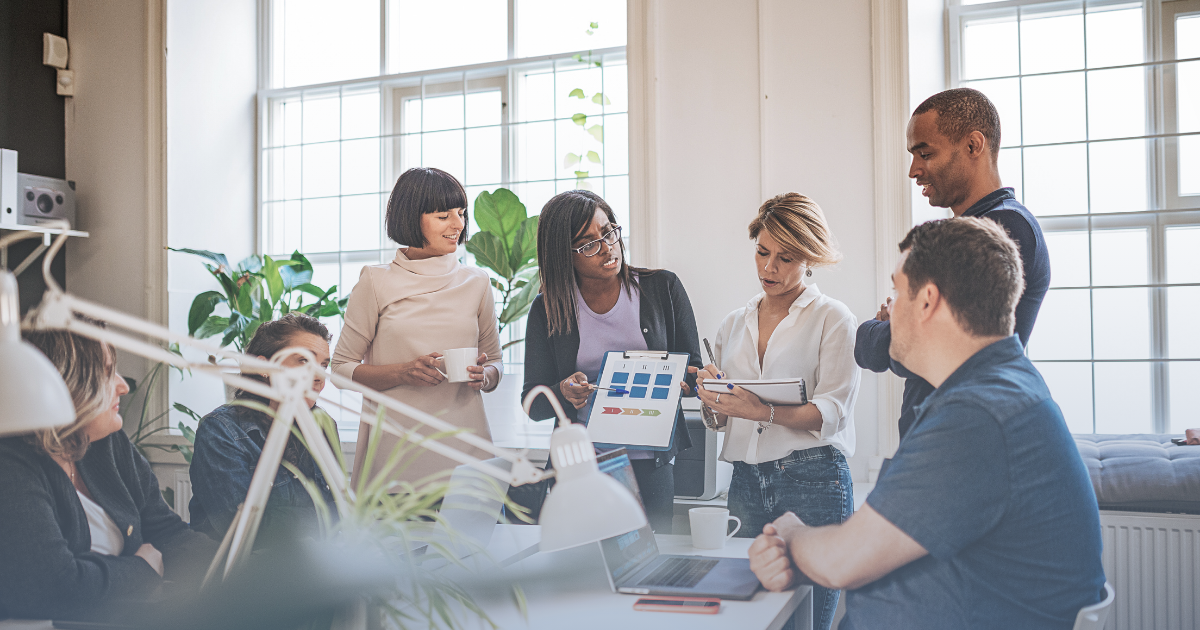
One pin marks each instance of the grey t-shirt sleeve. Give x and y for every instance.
(948, 484)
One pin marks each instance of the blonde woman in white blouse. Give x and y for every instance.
(789, 458)
(403, 315)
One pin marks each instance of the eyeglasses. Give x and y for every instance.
(591, 248)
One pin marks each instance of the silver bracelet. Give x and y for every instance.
(762, 427)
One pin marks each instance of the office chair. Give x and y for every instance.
(1093, 617)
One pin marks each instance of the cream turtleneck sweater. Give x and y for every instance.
(406, 309)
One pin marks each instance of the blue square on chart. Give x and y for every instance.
(660, 393)
(620, 377)
(615, 394)
(641, 379)
(637, 392)
(662, 380)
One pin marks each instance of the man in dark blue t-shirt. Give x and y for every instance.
(954, 138)
(985, 517)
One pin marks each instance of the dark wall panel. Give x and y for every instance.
(31, 113)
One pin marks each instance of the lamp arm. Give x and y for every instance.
(549, 394)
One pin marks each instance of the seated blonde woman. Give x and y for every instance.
(82, 521)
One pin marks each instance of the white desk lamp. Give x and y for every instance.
(585, 505)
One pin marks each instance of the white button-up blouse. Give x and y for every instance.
(815, 341)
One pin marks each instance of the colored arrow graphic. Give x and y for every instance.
(631, 412)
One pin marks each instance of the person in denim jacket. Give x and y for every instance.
(229, 442)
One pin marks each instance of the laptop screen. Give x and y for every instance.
(624, 554)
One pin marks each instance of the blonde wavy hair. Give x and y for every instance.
(798, 225)
(88, 368)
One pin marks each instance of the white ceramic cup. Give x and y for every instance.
(709, 525)
(456, 362)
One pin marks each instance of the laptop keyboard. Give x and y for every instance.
(679, 573)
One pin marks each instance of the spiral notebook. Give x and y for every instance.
(780, 391)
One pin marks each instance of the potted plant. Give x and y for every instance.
(257, 290)
(506, 244)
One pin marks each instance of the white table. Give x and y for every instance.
(569, 589)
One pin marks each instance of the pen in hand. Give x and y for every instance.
(713, 361)
(607, 389)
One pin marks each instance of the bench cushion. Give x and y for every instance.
(1142, 472)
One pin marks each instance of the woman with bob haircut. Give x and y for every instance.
(403, 315)
(593, 302)
(83, 524)
(789, 458)
(230, 439)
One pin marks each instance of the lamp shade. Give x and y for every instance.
(585, 504)
(32, 393)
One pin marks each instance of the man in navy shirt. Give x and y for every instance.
(954, 138)
(985, 517)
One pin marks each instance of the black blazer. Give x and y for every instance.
(667, 324)
(47, 568)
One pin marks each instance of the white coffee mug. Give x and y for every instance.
(456, 362)
(709, 525)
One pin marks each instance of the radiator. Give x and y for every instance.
(183, 494)
(1153, 563)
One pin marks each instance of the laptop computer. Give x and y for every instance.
(634, 564)
(471, 509)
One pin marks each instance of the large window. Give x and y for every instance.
(530, 95)
(1100, 113)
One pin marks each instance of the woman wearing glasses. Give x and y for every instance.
(593, 302)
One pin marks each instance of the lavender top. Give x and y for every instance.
(618, 329)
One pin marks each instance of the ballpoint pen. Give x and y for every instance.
(707, 414)
(608, 389)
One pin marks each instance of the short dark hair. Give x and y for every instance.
(975, 266)
(563, 219)
(422, 190)
(961, 111)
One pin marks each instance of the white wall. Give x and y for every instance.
(719, 156)
(106, 156)
(211, 81)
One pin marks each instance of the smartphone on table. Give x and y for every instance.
(697, 605)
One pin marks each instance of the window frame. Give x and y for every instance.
(1166, 207)
(395, 88)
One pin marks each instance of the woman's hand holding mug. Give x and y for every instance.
(480, 378)
(421, 372)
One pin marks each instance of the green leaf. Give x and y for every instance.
(597, 63)
(245, 299)
(518, 305)
(593, 157)
(292, 278)
(594, 25)
(265, 311)
(182, 408)
(188, 433)
(577, 57)
(237, 325)
(270, 274)
(253, 328)
(601, 99)
(316, 291)
(202, 307)
(489, 252)
(570, 160)
(581, 174)
(328, 309)
(250, 263)
(496, 284)
(579, 119)
(577, 93)
(214, 325)
(500, 213)
(217, 259)
(297, 257)
(597, 132)
(524, 249)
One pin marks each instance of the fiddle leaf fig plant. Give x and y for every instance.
(258, 290)
(506, 244)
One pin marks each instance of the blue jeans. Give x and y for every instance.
(814, 484)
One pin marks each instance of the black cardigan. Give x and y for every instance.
(47, 568)
(667, 324)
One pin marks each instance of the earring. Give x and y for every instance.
(808, 273)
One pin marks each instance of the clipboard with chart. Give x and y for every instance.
(643, 417)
